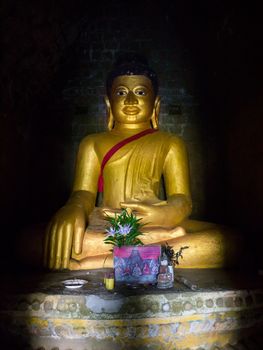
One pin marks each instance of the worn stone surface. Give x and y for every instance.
(144, 317)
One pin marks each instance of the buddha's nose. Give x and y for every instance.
(131, 99)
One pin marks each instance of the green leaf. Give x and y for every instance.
(124, 219)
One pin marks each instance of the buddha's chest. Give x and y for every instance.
(140, 157)
(135, 171)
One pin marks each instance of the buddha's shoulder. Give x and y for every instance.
(160, 137)
(92, 139)
(169, 138)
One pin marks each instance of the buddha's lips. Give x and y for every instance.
(131, 110)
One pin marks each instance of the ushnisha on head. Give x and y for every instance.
(132, 66)
(132, 100)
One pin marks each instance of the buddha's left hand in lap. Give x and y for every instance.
(165, 214)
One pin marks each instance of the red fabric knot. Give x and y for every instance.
(115, 148)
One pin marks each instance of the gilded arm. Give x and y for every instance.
(177, 181)
(66, 229)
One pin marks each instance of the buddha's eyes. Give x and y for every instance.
(140, 92)
(125, 92)
(121, 92)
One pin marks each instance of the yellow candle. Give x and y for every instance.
(109, 283)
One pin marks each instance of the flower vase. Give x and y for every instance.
(166, 276)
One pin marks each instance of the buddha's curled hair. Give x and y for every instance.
(131, 64)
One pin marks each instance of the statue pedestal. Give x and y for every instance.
(37, 311)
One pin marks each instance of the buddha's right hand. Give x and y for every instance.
(66, 228)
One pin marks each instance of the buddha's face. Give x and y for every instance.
(132, 99)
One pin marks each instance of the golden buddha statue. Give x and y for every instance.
(132, 179)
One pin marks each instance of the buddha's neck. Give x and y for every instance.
(129, 128)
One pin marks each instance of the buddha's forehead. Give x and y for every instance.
(131, 81)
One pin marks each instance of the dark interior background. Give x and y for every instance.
(55, 57)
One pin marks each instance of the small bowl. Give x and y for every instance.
(74, 283)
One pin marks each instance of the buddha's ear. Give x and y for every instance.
(110, 119)
(156, 111)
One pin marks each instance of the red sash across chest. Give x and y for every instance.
(115, 148)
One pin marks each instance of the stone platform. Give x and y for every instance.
(206, 309)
